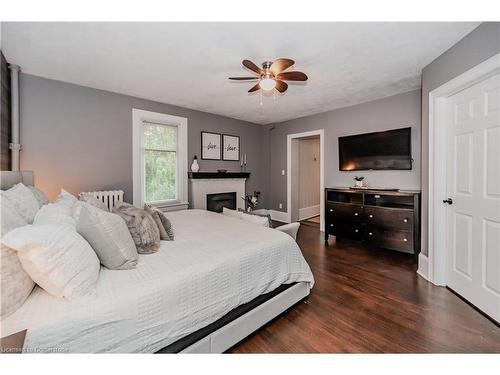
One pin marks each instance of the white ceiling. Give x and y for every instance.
(187, 64)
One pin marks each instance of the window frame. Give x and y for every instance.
(139, 117)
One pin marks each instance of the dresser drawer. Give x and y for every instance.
(389, 218)
(390, 239)
(339, 212)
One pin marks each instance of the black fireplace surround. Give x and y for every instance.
(216, 202)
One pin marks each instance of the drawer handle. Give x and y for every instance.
(331, 210)
(356, 230)
(405, 240)
(331, 225)
(370, 216)
(405, 220)
(370, 234)
(355, 214)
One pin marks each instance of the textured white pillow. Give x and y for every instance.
(15, 284)
(57, 258)
(231, 213)
(263, 221)
(90, 199)
(66, 198)
(23, 200)
(109, 236)
(55, 213)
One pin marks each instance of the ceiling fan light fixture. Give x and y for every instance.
(267, 84)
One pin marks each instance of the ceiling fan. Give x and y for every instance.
(272, 75)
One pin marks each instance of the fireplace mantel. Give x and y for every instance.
(199, 175)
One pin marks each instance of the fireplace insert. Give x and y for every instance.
(216, 202)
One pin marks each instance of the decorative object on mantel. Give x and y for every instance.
(230, 147)
(195, 167)
(251, 201)
(209, 175)
(210, 146)
(243, 163)
(358, 181)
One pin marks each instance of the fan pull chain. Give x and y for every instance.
(261, 102)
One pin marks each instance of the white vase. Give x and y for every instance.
(195, 167)
(358, 183)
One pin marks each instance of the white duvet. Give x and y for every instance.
(215, 264)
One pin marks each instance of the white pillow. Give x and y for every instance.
(90, 199)
(263, 221)
(57, 258)
(231, 213)
(109, 236)
(66, 198)
(15, 284)
(55, 213)
(39, 195)
(23, 200)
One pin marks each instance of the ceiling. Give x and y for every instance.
(187, 64)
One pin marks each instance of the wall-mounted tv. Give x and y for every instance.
(387, 150)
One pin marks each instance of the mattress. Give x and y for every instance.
(215, 264)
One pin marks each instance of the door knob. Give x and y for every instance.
(449, 201)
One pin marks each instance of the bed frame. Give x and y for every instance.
(232, 327)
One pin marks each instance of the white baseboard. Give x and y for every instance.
(423, 266)
(308, 212)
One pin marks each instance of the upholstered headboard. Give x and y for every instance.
(10, 178)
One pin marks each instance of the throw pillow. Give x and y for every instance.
(108, 235)
(90, 199)
(39, 195)
(256, 219)
(57, 258)
(22, 200)
(55, 213)
(141, 226)
(231, 213)
(162, 222)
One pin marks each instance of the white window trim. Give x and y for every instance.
(138, 118)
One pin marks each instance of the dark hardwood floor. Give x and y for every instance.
(371, 301)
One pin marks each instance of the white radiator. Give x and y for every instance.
(109, 197)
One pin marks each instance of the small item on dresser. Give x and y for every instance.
(141, 226)
(163, 223)
(90, 199)
(108, 235)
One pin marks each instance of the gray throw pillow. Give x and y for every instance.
(109, 236)
(164, 225)
(142, 227)
(90, 199)
(39, 195)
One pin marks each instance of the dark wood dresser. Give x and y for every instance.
(387, 219)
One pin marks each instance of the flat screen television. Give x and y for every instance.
(387, 150)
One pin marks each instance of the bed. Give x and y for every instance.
(220, 280)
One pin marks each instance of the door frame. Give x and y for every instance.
(438, 98)
(290, 137)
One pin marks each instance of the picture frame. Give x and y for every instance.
(230, 147)
(211, 148)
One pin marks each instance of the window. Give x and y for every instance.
(160, 159)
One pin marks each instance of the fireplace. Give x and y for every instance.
(215, 202)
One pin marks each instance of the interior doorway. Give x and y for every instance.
(305, 178)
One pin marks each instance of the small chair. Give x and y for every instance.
(290, 229)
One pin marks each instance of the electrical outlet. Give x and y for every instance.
(281, 206)
(282, 172)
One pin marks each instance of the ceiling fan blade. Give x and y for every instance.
(292, 76)
(254, 88)
(281, 86)
(280, 65)
(243, 78)
(250, 65)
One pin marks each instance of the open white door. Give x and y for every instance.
(473, 195)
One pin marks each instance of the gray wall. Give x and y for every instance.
(80, 138)
(397, 111)
(476, 47)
